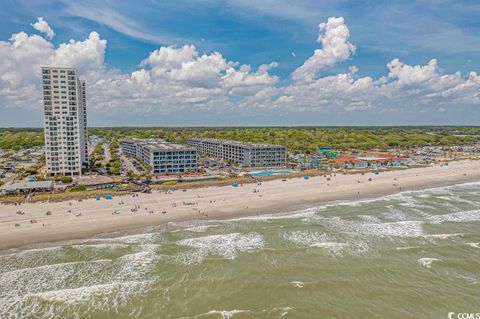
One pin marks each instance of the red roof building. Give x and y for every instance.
(346, 160)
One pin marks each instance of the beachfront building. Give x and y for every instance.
(393, 160)
(65, 108)
(247, 154)
(346, 161)
(161, 156)
(27, 187)
(379, 160)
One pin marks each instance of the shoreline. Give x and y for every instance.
(97, 219)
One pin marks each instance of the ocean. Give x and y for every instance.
(409, 255)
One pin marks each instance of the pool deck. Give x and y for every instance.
(267, 173)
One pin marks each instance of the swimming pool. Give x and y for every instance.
(267, 173)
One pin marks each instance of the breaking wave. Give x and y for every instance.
(226, 246)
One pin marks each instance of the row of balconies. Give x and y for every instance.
(174, 163)
(173, 167)
(174, 157)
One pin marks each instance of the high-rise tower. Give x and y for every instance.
(66, 136)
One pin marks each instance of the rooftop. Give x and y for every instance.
(158, 145)
(372, 158)
(347, 159)
(28, 185)
(57, 68)
(236, 143)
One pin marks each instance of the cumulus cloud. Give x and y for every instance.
(42, 26)
(336, 47)
(23, 56)
(170, 57)
(407, 74)
(341, 91)
(180, 78)
(425, 84)
(86, 55)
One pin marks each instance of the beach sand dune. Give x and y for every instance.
(77, 220)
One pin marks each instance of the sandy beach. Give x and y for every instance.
(77, 220)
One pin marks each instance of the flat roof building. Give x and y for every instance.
(244, 153)
(161, 156)
(27, 187)
(65, 107)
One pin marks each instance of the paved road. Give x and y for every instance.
(127, 165)
(9, 178)
(107, 156)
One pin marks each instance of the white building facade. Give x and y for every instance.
(65, 107)
(244, 153)
(161, 156)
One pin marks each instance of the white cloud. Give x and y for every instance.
(407, 74)
(23, 55)
(425, 84)
(334, 37)
(204, 71)
(85, 55)
(170, 57)
(180, 78)
(341, 91)
(103, 12)
(42, 26)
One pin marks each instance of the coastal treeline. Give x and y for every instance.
(17, 140)
(301, 139)
(309, 139)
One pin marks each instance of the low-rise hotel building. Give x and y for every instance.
(161, 156)
(244, 153)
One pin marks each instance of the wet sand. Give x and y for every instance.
(77, 220)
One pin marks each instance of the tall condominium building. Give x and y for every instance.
(66, 140)
(248, 154)
(161, 156)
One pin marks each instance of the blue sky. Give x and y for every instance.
(255, 33)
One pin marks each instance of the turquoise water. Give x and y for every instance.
(268, 173)
(409, 255)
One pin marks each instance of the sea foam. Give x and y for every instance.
(459, 217)
(226, 246)
(395, 229)
(427, 262)
(74, 302)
